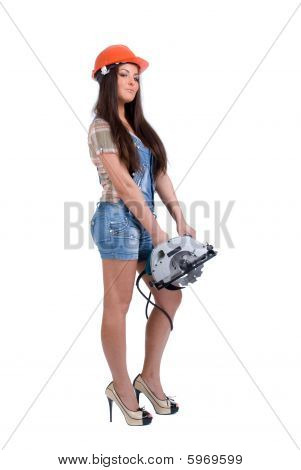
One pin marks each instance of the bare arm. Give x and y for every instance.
(165, 189)
(132, 196)
(168, 196)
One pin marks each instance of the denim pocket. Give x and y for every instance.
(118, 227)
(99, 228)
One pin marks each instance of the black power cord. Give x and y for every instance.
(149, 301)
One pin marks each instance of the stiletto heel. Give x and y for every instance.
(161, 407)
(110, 406)
(137, 394)
(139, 417)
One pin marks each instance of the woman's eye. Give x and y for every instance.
(124, 75)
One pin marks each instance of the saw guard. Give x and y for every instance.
(179, 261)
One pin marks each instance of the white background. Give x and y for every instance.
(233, 359)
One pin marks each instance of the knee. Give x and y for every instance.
(177, 298)
(115, 311)
(172, 302)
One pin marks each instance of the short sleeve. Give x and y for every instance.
(100, 138)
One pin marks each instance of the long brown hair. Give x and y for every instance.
(106, 107)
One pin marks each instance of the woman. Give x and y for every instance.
(131, 163)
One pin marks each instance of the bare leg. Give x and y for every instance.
(157, 332)
(118, 279)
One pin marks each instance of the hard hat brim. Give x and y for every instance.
(142, 64)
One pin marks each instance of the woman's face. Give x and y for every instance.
(127, 82)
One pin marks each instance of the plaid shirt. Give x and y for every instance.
(100, 141)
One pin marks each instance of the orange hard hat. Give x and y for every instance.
(114, 55)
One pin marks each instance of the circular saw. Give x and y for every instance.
(174, 264)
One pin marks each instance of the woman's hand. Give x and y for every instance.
(184, 229)
(160, 237)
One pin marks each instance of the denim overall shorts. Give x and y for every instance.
(115, 230)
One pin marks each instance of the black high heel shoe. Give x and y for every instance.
(161, 407)
(140, 417)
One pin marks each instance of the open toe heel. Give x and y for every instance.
(161, 407)
(140, 417)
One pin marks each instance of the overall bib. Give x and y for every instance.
(117, 233)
